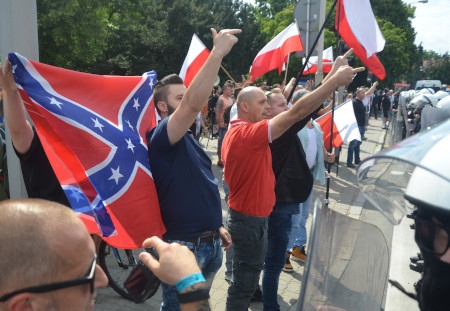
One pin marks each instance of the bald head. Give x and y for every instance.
(247, 93)
(252, 104)
(277, 102)
(37, 235)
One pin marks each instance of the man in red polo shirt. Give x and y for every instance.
(248, 172)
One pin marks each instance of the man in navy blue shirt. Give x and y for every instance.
(187, 188)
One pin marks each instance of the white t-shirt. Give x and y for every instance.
(311, 149)
(233, 113)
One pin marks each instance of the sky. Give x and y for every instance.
(432, 24)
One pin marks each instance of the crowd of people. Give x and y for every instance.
(271, 151)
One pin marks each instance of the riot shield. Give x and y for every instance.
(347, 265)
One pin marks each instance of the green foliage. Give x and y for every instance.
(130, 37)
(395, 57)
(438, 67)
(269, 8)
(71, 33)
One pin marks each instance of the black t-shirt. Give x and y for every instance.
(360, 112)
(386, 102)
(212, 101)
(294, 180)
(40, 180)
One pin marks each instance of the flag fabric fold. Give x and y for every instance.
(195, 58)
(93, 130)
(274, 55)
(345, 127)
(358, 28)
(327, 62)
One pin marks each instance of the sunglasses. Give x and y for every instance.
(88, 279)
(432, 236)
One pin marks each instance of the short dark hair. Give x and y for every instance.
(236, 92)
(160, 90)
(229, 84)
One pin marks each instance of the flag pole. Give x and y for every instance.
(312, 49)
(300, 75)
(286, 70)
(229, 76)
(327, 193)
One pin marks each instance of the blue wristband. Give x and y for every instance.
(189, 281)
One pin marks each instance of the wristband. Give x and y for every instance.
(189, 281)
(199, 294)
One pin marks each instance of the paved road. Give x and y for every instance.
(344, 197)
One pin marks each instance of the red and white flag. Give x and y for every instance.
(345, 127)
(327, 62)
(95, 142)
(275, 53)
(195, 58)
(359, 29)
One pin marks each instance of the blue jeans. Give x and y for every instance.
(299, 236)
(353, 147)
(249, 234)
(278, 238)
(229, 253)
(209, 258)
(222, 132)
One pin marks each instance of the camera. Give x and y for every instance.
(141, 283)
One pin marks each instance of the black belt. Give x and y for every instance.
(204, 238)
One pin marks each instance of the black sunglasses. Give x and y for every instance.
(89, 278)
(432, 236)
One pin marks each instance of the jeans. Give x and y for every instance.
(209, 258)
(230, 252)
(353, 147)
(249, 234)
(278, 238)
(299, 236)
(222, 132)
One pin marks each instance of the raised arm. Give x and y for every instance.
(338, 62)
(197, 93)
(372, 89)
(310, 102)
(14, 111)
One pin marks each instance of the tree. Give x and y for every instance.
(71, 33)
(436, 66)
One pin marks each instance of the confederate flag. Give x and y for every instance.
(93, 131)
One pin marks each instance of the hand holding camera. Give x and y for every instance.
(175, 261)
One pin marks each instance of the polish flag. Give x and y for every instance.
(275, 53)
(327, 62)
(359, 29)
(345, 127)
(195, 58)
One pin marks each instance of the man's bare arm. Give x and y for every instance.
(338, 62)
(15, 116)
(219, 112)
(310, 102)
(372, 89)
(200, 88)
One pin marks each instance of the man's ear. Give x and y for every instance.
(162, 106)
(22, 302)
(244, 106)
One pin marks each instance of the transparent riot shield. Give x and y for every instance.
(347, 265)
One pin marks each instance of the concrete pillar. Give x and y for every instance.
(18, 33)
